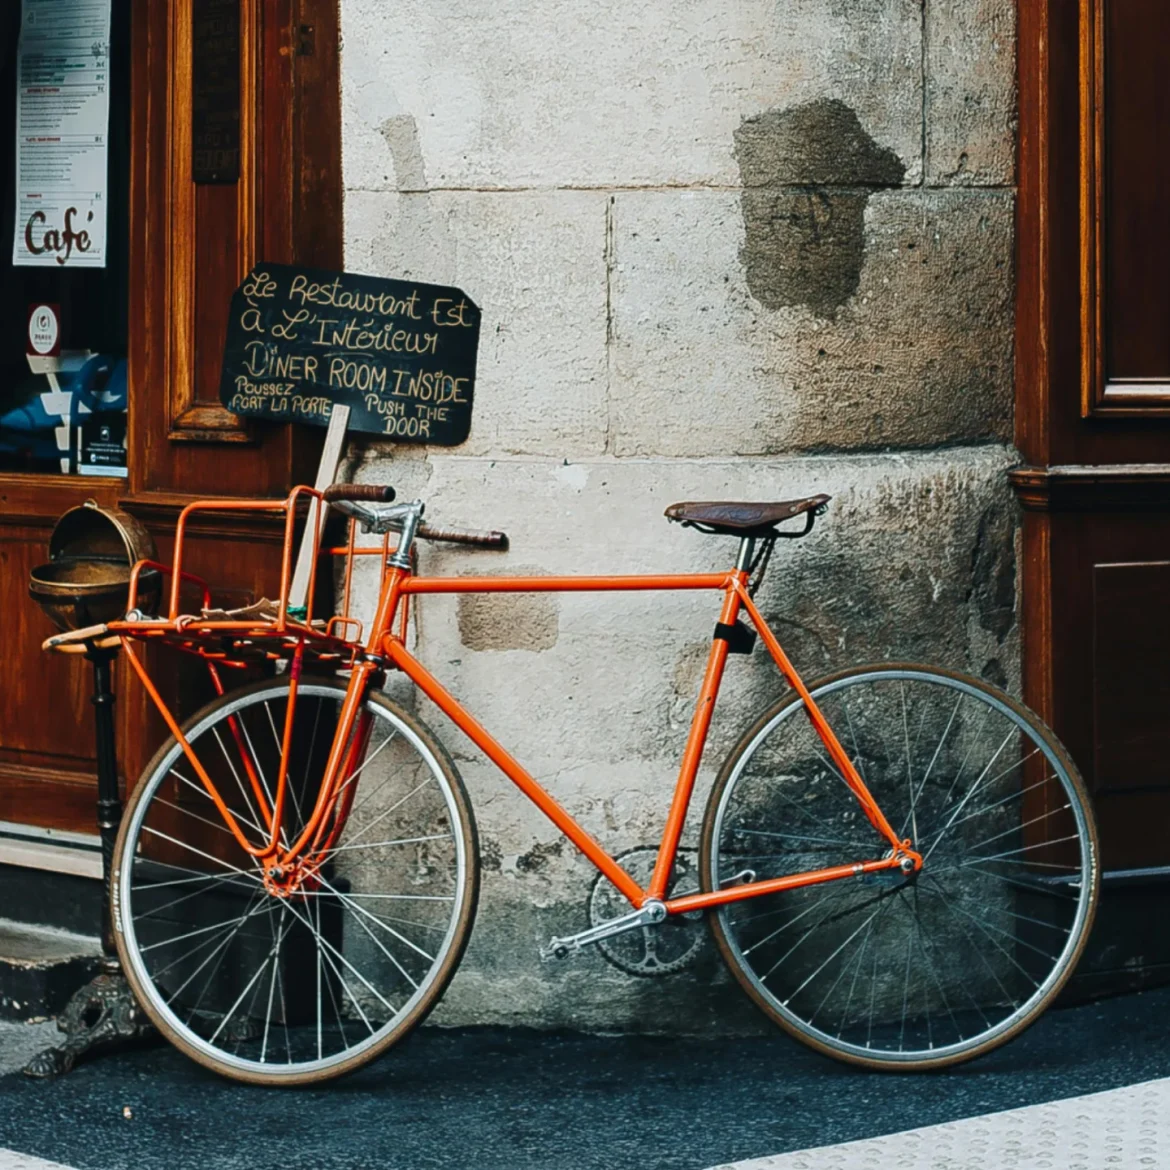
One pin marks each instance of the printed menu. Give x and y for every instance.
(62, 131)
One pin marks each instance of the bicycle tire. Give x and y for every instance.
(802, 961)
(352, 942)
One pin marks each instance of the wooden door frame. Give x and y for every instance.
(1078, 455)
(180, 446)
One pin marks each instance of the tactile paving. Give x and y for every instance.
(11, 1160)
(1126, 1129)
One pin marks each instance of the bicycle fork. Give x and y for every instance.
(286, 865)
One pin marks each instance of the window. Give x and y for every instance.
(93, 301)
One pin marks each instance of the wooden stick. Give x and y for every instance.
(315, 521)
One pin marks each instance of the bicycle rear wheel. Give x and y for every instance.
(304, 985)
(890, 970)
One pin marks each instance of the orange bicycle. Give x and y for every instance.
(898, 863)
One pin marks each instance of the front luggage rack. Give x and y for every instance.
(265, 629)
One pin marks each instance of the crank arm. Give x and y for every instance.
(649, 914)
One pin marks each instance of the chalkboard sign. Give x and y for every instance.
(401, 355)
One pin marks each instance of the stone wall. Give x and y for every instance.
(723, 248)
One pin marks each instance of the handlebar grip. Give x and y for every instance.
(496, 540)
(374, 493)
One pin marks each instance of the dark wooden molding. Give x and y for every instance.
(1103, 395)
(1034, 232)
(37, 501)
(1103, 487)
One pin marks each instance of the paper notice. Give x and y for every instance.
(62, 128)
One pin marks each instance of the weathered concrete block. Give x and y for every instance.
(970, 92)
(918, 353)
(535, 265)
(914, 560)
(553, 93)
(510, 621)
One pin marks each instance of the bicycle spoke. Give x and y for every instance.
(368, 760)
(861, 845)
(857, 968)
(1017, 795)
(202, 853)
(987, 934)
(934, 759)
(240, 818)
(387, 897)
(269, 982)
(1002, 910)
(337, 954)
(249, 912)
(255, 815)
(970, 793)
(271, 985)
(385, 844)
(922, 946)
(354, 906)
(215, 880)
(936, 965)
(386, 812)
(1017, 828)
(909, 774)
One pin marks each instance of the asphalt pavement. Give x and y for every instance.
(495, 1099)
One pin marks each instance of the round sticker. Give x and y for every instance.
(43, 329)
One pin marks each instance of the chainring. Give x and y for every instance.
(649, 951)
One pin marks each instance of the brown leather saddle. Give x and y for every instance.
(743, 519)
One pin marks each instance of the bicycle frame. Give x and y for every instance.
(386, 646)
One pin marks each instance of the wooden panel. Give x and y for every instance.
(192, 243)
(1137, 191)
(29, 796)
(1096, 634)
(1091, 311)
(46, 721)
(211, 233)
(1051, 229)
(49, 710)
(1131, 679)
(1125, 108)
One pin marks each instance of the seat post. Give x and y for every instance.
(747, 547)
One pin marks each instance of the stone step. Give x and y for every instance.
(41, 967)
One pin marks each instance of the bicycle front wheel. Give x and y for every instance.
(291, 982)
(890, 970)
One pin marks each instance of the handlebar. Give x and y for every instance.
(354, 500)
(374, 493)
(496, 540)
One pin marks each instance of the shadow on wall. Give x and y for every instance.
(807, 173)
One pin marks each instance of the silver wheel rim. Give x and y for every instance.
(128, 925)
(1084, 879)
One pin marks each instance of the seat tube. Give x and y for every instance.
(696, 742)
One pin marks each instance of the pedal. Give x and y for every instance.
(650, 914)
